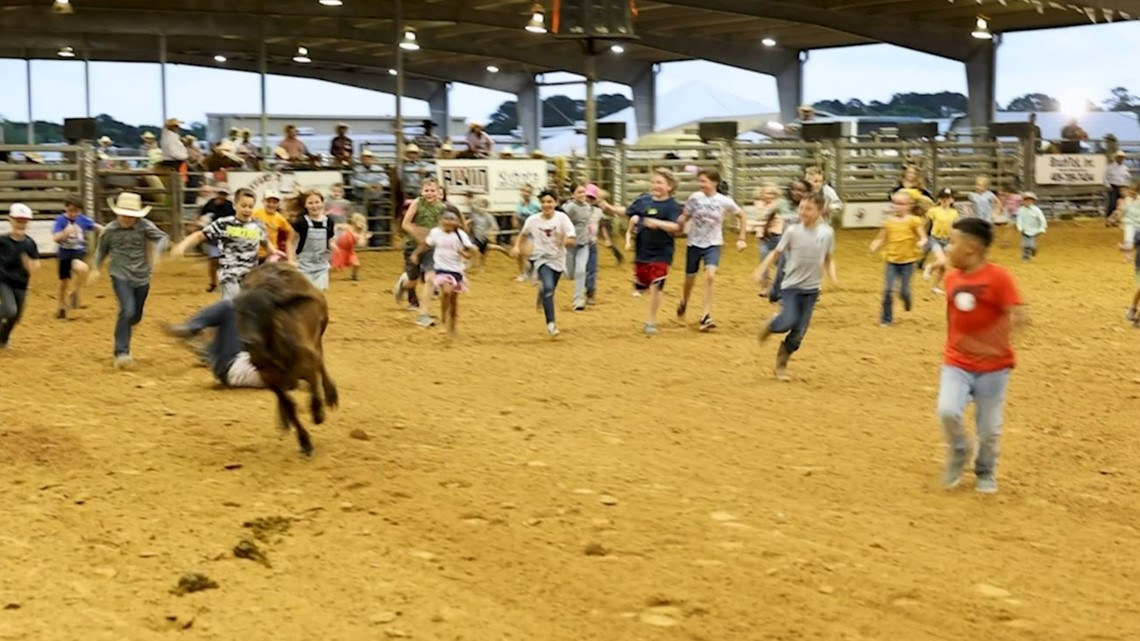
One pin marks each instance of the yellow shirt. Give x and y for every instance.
(902, 239)
(277, 228)
(943, 219)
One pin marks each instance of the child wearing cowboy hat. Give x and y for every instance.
(18, 256)
(130, 241)
(1031, 223)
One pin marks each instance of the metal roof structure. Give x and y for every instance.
(354, 44)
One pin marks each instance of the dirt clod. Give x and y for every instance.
(248, 549)
(266, 527)
(193, 582)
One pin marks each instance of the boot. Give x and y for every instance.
(782, 357)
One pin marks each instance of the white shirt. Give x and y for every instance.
(243, 374)
(447, 245)
(707, 214)
(1117, 174)
(172, 147)
(548, 239)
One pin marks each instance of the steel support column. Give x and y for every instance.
(790, 88)
(645, 101)
(439, 106)
(981, 84)
(530, 114)
(31, 117)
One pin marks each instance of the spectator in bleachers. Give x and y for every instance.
(414, 171)
(149, 149)
(341, 147)
(106, 148)
(370, 181)
(1073, 133)
(248, 151)
(479, 144)
(428, 142)
(292, 146)
(1117, 176)
(33, 158)
(173, 150)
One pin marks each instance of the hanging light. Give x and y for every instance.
(982, 29)
(332, 3)
(617, 48)
(537, 22)
(66, 52)
(302, 56)
(393, 72)
(768, 42)
(219, 58)
(409, 42)
(62, 7)
(492, 69)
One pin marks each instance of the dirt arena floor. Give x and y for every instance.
(602, 486)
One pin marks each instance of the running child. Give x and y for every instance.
(70, 233)
(451, 246)
(578, 260)
(1128, 212)
(337, 207)
(654, 220)
(314, 238)
(422, 216)
(484, 229)
(1010, 201)
(942, 218)
(349, 237)
(551, 233)
(983, 200)
(216, 209)
(599, 197)
(809, 248)
(983, 307)
(131, 243)
(1131, 314)
(902, 239)
(19, 256)
(1031, 223)
(238, 238)
(526, 207)
(277, 228)
(597, 231)
(707, 210)
(816, 179)
(770, 221)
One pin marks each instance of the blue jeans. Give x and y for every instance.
(227, 341)
(11, 309)
(578, 265)
(549, 280)
(903, 273)
(988, 390)
(774, 292)
(592, 272)
(1028, 247)
(796, 307)
(132, 299)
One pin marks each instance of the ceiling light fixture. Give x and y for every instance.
(409, 42)
(332, 3)
(768, 42)
(66, 52)
(492, 69)
(392, 72)
(617, 48)
(62, 7)
(302, 56)
(219, 58)
(982, 29)
(537, 22)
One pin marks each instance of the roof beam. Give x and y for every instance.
(934, 39)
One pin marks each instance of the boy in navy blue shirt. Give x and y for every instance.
(18, 256)
(70, 233)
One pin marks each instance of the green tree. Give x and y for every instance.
(1034, 102)
(1121, 99)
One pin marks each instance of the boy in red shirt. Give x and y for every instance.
(983, 307)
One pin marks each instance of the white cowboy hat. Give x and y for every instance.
(1029, 196)
(173, 121)
(105, 140)
(20, 211)
(411, 148)
(446, 146)
(367, 152)
(33, 156)
(226, 148)
(130, 204)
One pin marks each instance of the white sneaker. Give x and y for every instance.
(123, 361)
(398, 289)
(552, 330)
(926, 272)
(521, 278)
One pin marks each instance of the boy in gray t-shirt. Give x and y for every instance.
(808, 248)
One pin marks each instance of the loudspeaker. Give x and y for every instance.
(604, 19)
(76, 129)
(1010, 129)
(1071, 146)
(614, 131)
(915, 130)
(820, 131)
(718, 130)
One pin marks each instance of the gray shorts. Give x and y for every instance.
(425, 264)
(230, 289)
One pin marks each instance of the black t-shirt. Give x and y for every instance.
(12, 252)
(655, 245)
(218, 212)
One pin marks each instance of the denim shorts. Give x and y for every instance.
(695, 255)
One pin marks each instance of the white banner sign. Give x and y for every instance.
(1071, 169)
(283, 183)
(862, 215)
(498, 180)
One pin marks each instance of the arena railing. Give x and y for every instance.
(161, 189)
(43, 186)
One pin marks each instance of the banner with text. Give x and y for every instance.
(283, 183)
(1071, 169)
(498, 180)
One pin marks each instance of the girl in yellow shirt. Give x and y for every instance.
(902, 239)
(942, 219)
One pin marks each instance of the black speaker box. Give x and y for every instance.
(76, 129)
(603, 19)
(614, 131)
(820, 131)
(718, 130)
(1010, 129)
(916, 130)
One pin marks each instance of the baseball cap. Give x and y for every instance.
(221, 188)
(271, 195)
(591, 191)
(20, 210)
(946, 193)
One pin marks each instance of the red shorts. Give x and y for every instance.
(646, 275)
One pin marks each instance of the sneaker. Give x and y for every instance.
(782, 375)
(591, 301)
(926, 272)
(681, 307)
(425, 321)
(552, 330)
(707, 323)
(62, 314)
(398, 289)
(580, 307)
(1130, 314)
(521, 278)
(955, 466)
(123, 361)
(986, 484)
(938, 291)
(650, 329)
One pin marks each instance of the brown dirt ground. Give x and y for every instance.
(745, 508)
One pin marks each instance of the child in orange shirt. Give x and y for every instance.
(983, 307)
